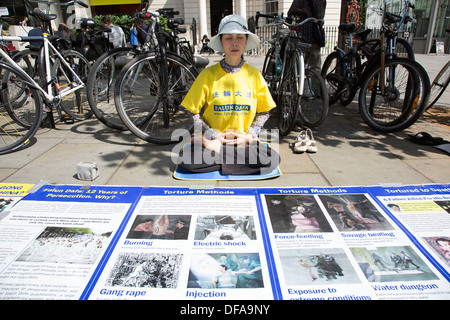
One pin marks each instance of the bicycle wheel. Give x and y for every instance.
(149, 108)
(75, 104)
(186, 53)
(406, 91)
(314, 101)
(28, 60)
(288, 96)
(440, 83)
(17, 94)
(332, 73)
(349, 89)
(100, 84)
(371, 47)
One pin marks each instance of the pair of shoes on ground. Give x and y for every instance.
(305, 142)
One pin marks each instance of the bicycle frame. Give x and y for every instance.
(300, 71)
(393, 39)
(154, 16)
(45, 50)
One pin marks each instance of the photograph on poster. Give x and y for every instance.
(150, 270)
(387, 264)
(225, 270)
(66, 245)
(416, 206)
(5, 203)
(354, 213)
(444, 205)
(229, 227)
(296, 213)
(160, 227)
(317, 267)
(440, 245)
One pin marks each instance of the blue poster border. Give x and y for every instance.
(412, 190)
(108, 252)
(132, 195)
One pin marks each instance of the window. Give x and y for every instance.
(423, 12)
(271, 6)
(443, 19)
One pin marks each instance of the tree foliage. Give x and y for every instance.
(125, 21)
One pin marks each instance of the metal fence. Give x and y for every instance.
(267, 33)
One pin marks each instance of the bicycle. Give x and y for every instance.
(344, 71)
(92, 43)
(65, 80)
(149, 89)
(440, 83)
(58, 82)
(395, 92)
(104, 71)
(298, 89)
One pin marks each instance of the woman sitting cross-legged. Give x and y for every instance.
(230, 103)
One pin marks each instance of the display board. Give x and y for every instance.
(178, 243)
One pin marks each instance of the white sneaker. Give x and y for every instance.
(301, 142)
(312, 146)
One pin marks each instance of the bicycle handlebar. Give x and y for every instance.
(282, 20)
(22, 38)
(392, 17)
(168, 13)
(259, 14)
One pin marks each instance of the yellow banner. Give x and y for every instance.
(113, 2)
(418, 206)
(14, 189)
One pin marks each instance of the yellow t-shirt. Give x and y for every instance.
(231, 100)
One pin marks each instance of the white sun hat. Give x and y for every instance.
(234, 24)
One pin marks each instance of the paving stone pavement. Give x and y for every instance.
(349, 153)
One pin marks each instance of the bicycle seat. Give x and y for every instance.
(42, 16)
(87, 23)
(178, 20)
(174, 23)
(200, 62)
(181, 30)
(347, 28)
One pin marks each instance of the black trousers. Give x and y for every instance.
(256, 158)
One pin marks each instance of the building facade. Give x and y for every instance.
(433, 19)
(432, 16)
